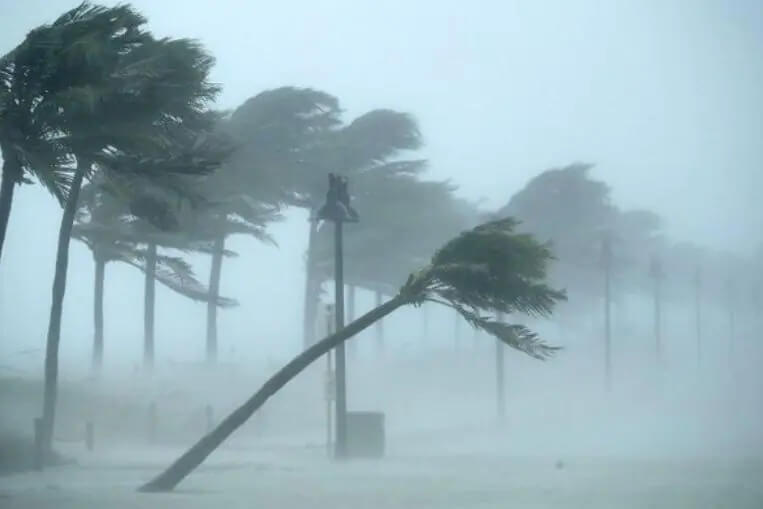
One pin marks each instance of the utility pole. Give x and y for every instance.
(731, 294)
(698, 311)
(337, 209)
(657, 274)
(606, 257)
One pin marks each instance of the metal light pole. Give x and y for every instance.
(698, 311)
(656, 272)
(330, 383)
(731, 292)
(337, 209)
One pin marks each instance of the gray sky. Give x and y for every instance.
(663, 95)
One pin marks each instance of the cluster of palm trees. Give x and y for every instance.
(119, 126)
(605, 253)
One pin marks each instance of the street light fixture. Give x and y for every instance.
(338, 210)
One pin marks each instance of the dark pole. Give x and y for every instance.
(338, 210)
(732, 332)
(607, 260)
(698, 312)
(656, 273)
(330, 382)
(341, 388)
(499, 378)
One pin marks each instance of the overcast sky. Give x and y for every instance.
(663, 95)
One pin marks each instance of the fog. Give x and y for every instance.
(664, 98)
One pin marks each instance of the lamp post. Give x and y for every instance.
(337, 209)
(698, 312)
(606, 258)
(657, 274)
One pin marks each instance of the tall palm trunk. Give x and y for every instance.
(56, 309)
(148, 308)
(192, 458)
(11, 176)
(311, 290)
(100, 274)
(214, 293)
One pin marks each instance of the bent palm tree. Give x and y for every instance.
(489, 269)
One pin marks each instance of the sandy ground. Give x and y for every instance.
(283, 476)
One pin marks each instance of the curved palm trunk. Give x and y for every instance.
(100, 274)
(56, 308)
(11, 175)
(214, 293)
(148, 308)
(311, 290)
(192, 458)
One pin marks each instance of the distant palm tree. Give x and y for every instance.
(114, 235)
(487, 269)
(231, 212)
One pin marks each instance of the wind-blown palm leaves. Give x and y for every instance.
(484, 271)
(132, 90)
(46, 75)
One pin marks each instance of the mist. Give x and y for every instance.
(659, 102)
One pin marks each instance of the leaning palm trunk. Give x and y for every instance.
(468, 274)
(11, 174)
(184, 465)
(214, 293)
(149, 299)
(100, 274)
(56, 309)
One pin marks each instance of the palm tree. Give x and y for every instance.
(136, 94)
(489, 269)
(293, 137)
(231, 214)
(32, 76)
(113, 235)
